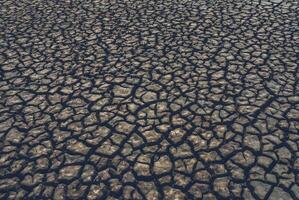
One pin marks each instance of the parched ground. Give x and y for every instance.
(144, 99)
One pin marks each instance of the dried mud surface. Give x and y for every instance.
(141, 99)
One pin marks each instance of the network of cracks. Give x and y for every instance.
(144, 99)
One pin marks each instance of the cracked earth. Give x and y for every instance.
(143, 99)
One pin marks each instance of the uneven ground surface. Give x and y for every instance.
(149, 99)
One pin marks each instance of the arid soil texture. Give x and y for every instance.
(149, 99)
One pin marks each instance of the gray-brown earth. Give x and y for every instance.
(143, 99)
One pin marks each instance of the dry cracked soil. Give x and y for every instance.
(149, 99)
